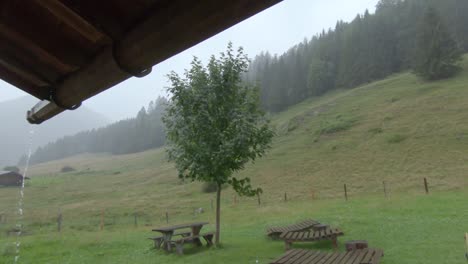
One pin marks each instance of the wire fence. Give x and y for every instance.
(99, 219)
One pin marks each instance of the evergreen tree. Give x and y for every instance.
(438, 52)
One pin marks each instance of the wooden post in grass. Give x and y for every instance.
(426, 187)
(385, 188)
(167, 218)
(135, 219)
(285, 197)
(345, 192)
(101, 226)
(258, 199)
(59, 221)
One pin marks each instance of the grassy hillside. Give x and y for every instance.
(398, 130)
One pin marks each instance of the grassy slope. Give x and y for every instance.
(398, 130)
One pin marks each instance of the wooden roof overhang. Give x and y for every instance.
(66, 51)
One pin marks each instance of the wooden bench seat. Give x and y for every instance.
(302, 256)
(159, 239)
(275, 232)
(326, 233)
(179, 243)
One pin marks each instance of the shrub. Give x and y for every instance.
(67, 169)
(11, 168)
(337, 125)
(396, 138)
(376, 130)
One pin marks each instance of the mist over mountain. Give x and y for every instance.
(15, 130)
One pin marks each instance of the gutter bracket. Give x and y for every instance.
(53, 99)
(125, 68)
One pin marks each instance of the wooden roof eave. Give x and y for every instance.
(179, 26)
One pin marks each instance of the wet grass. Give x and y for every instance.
(398, 130)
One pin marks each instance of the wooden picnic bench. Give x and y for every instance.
(275, 232)
(179, 243)
(167, 242)
(159, 239)
(302, 256)
(323, 232)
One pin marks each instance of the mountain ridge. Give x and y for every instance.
(15, 132)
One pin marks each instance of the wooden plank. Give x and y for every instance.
(362, 254)
(368, 257)
(378, 254)
(281, 258)
(174, 227)
(312, 257)
(295, 255)
(20, 70)
(34, 50)
(21, 83)
(332, 259)
(41, 28)
(342, 257)
(352, 257)
(73, 20)
(319, 257)
(324, 258)
(307, 258)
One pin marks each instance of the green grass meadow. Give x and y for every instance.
(399, 130)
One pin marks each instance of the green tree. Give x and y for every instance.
(321, 78)
(437, 51)
(214, 124)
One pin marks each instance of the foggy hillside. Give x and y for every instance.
(14, 132)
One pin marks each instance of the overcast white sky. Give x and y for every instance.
(275, 30)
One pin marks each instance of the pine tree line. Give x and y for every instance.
(145, 131)
(369, 48)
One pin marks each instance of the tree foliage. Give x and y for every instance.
(214, 123)
(438, 53)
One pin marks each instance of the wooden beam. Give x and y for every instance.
(180, 25)
(34, 50)
(73, 20)
(20, 70)
(38, 25)
(18, 81)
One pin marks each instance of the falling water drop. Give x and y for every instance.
(19, 225)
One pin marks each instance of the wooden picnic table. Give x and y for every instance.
(302, 256)
(168, 232)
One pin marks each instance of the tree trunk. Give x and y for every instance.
(218, 214)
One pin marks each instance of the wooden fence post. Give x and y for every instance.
(102, 220)
(211, 204)
(167, 218)
(258, 199)
(345, 192)
(59, 222)
(385, 188)
(285, 197)
(426, 186)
